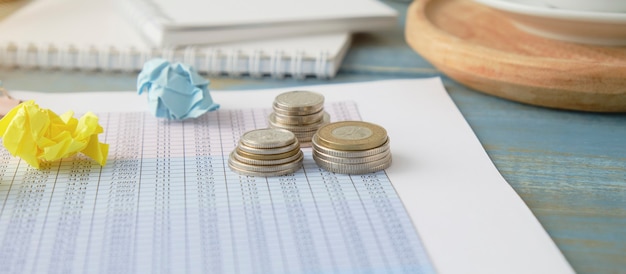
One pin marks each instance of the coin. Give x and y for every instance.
(348, 153)
(351, 147)
(233, 162)
(266, 152)
(294, 128)
(265, 174)
(305, 119)
(267, 162)
(296, 112)
(267, 157)
(275, 150)
(301, 112)
(298, 102)
(351, 135)
(343, 168)
(267, 138)
(304, 134)
(351, 160)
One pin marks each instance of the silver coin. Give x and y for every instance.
(266, 157)
(300, 101)
(351, 160)
(299, 119)
(354, 168)
(233, 162)
(274, 150)
(257, 162)
(349, 153)
(264, 174)
(298, 132)
(386, 158)
(355, 171)
(310, 127)
(267, 138)
(304, 134)
(296, 112)
(304, 141)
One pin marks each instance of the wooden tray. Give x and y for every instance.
(483, 49)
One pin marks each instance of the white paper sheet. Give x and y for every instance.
(469, 220)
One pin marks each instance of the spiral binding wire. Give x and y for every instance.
(232, 63)
(254, 64)
(321, 64)
(296, 64)
(211, 61)
(276, 69)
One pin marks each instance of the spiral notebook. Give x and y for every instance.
(95, 35)
(176, 22)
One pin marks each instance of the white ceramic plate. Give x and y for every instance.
(587, 27)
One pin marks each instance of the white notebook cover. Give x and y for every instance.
(94, 34)
(176, 22)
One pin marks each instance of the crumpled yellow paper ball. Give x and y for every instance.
(39, 135)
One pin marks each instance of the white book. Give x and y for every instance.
(178, 22)
(95, 35)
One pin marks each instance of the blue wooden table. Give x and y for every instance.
(569, 167)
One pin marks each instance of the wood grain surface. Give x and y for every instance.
(483, 49)
(569, 167)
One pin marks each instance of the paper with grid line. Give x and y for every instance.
(167, 202)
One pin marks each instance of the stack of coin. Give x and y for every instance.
(266, 152)
(301, 112)
(351, 147)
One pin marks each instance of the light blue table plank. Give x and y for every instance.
(569, 167)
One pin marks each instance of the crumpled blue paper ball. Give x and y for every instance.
(175, 91)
